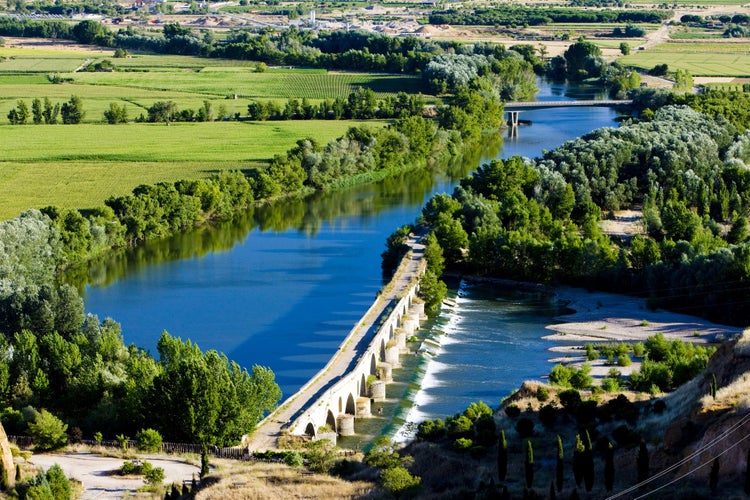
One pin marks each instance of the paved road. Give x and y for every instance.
(266, 434)
(99, 477)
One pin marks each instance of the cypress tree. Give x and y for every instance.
(204, 461)
(747, 473)
(588, 465)
(528, 465)
(642, 462)
(713, 477)
(552, 494)
(578, 460)
(502, 456)
(18, 472)
(560, 464)
(609, 467)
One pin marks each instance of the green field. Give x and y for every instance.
(700, 59)
(79, 166)
(142, 80)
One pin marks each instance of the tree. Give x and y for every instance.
(642, 462)
(576, 56)
(559, 465)
(528, 465)
(609, 467)
(713, 477)
(116, 114)
(36, 111)
(588, 469)
(624, 48)
(72, 111)
(502, 456)
(19, 114)
(50, 112)
(162, 111)
(683, 81)
(48, 431)
(88, 31)
(59, 484)
(148, 440)
(578, 460)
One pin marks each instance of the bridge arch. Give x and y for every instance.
(331, 420)
(310, 430)
(351, 407)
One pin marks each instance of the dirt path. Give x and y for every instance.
(98, 473)
(268, 431)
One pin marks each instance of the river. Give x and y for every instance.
(283, 285)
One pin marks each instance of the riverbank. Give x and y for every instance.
(606, 317)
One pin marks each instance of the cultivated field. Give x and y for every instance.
(700, 59)
(79, 166)
(142, 80)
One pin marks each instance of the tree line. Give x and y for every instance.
(536, 16)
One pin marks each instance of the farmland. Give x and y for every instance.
(79, 166)
(700, 59)
(142, 80)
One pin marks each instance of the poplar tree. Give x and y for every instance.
(559, 467)
(502, 456)
(642, 462)
(588, 469)
(528, 464)
(609, 467)
(578, 460)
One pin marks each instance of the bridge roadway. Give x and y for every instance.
(344, 360)
(531, 105)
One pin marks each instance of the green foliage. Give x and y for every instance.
(399, 482)
(72, 111)
(48, 431)
(116, 114)
(529, 465)
(123, 440)
(462, 444)
(320, 455)
(476, 410)
(155, 476)
(502, 456)
(148, 440)
(432, 290)
(431, 430)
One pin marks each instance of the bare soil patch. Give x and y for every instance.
(51, 44)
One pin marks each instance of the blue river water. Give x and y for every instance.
(283, 286)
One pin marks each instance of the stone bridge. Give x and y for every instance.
(351, 397)
(357, 374)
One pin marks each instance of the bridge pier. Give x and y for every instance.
(377, 390)
(346, 425)
(513, 119)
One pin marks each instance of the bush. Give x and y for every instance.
(155, 475)
(459, 427)
(59, 484)
(512, 410)
(127, 468)
(659, 406)
(148, 440)
(462, 444)
(623, 360)
(548, 415)
(542, 394)
(293, 459)
(431, 430)
(49, 432)
(570, 399)
(398, 481)
(525, 427)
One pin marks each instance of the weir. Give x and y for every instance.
(356, 376)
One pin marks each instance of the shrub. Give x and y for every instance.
(525, 427)
(462, 444)
(570, 399)
(155, 475)
(293, 459)
(512, 410)
(398, 481)
(476, 410)
(127, 468)
(459, 427)
(548, 415)
(581, 378)
(485, 428)
(623, 360)
(59, 484)
(148, 440)
(542, 394)
(639, 349)
(659, 406)
(430, 430)
(561, 375)
(48, 432)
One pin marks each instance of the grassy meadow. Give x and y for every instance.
(79, 166)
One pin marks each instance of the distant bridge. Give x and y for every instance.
(514, 108)
(531, 105)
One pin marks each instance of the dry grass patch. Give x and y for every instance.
(265, 481)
